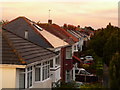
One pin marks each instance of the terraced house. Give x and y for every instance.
(24, 63)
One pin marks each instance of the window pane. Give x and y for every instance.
(30, 78)
(22, 80)
(51, 63)
(27, 80)
(37, 74)
(57, 61)
(68, 53)
(43, 74)
(48, 70)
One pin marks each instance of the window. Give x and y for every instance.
(42, 71)
(57, 61)
(46, 71)
(38, 72)
(22, 78)
(29, 77)
(68, 76)
(51, 63)
(26, 34)
(68, 53)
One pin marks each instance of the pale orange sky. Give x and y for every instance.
(95, 13)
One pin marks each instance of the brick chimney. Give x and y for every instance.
(49, 21)
(78, 26)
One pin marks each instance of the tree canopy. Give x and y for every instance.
(106, 42)
(106, 45)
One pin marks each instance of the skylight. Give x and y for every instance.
(38, 27)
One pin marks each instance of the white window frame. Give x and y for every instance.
(24, 77)
(44, 71)
(57, 61)
(29, 72)
(68, 53)
(38, 66)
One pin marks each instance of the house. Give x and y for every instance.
(66, 52)
(29, 30)
(24, 63)
(52, 37)
(83, 36)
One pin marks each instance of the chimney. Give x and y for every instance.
(78, 26)
(49, 21)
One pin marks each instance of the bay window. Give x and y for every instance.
(42, 71)
(36, 73)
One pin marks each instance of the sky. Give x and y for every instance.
(94, 13)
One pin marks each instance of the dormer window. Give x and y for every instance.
(26, 34)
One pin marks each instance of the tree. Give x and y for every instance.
(114, 71)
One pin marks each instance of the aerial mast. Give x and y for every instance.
(49, 13)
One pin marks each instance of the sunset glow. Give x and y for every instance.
(93, 13)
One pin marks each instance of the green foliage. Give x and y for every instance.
(115, 71)
(103, 47)
(105, 43)
(68, 85)
(96, 85)
(3, 22)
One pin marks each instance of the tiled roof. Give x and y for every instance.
(59, 32)
(17, 50)
(77, 33)
(20, 24)
(54, 41)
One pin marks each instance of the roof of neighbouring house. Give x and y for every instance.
(59, 32)
(17, 50)
(54, 41)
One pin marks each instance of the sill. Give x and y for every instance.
(55, 67)
(42, 81)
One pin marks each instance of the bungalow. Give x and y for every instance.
(29, 30)
(24, 63)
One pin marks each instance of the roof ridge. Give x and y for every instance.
(68, 34)
(13, 20)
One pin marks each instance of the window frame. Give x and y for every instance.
(68, 53)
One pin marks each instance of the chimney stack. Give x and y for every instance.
(49, 21)
(78, 26)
